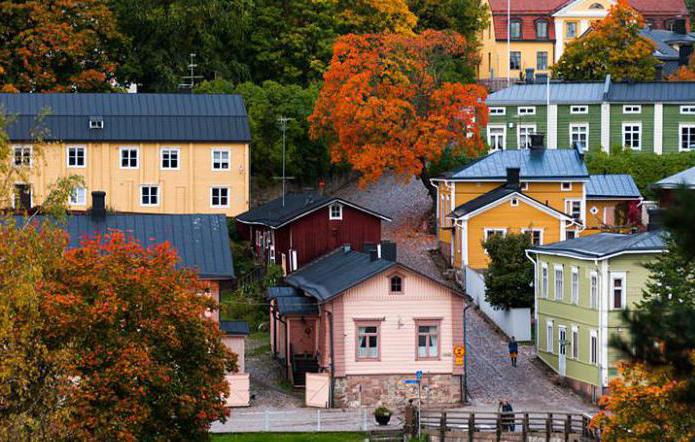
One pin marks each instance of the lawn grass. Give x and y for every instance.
(289, 437)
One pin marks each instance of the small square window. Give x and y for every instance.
(514, 202)
(170, 158)
(336, 211)
(129, 158)
(526, 110)
(632, 109)
(579, 109)
(220, 159)
(77, 156)
(149, 195)
(22, 156)
(78, 197)
(96, 123)
(219, 197)
(498, 110)
(566, 186)
(688, 110)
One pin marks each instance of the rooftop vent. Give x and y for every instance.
(537, 141)
(96, 123)
(513, 174)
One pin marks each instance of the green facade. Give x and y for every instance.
(645, 118)
(565, 119)
(581, 315)
(511, 117)
(672, 120)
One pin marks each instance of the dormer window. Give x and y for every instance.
(541, 29)
(515, 29)
(396, 284)
(96, 123)
(335, 211)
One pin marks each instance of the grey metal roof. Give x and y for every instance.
(201, 241)
(274, 214)
(332, 274)
(663, 39)
(604, 244)
(560, 93)
(235, 327)
(686, 177)
(664, 91)
(279, 291)
(536, 164)
(128, 117)
(612, 186)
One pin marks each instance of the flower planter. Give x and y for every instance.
(382, 419)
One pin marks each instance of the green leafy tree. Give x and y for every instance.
(509, 277)
(613, 46)
(467, 17)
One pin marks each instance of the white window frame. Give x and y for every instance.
(578, 109)
(622, 276)
(574, 285)
(338, 216)
(494, 229)
(526, 127)
(632, 109)
(593, 290)
(544, 280)
(96, 123)
(23, 147)
(532, 231)
(688, 109)
(633, 124)
(680, 136)
(220, 206)
(538, 66)
(137, 157)
(525, 110)
(549, 337)
(593, 347)
(158, 197)
(178, 158)
(229, 160)
(78, 192)
(514, 202)
(559, 283)
(503, 134)
(569, 202)
(566, 183)
(84, 156)
(497, 110)
(574, 29)
(584, 126)
(524, 185)
(574, 340)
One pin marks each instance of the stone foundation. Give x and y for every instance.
(370, 390)
(588, 391)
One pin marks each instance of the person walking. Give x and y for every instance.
(513, 350)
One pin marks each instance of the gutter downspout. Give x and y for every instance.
(332, 380)
(535, 292)
(464, 383)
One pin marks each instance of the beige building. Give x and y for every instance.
(150, 153)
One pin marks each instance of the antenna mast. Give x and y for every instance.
(283, 127)
(191, 77)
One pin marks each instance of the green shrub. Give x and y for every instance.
(509, 276)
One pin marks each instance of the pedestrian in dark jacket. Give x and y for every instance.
(513, 351)
(507, 415)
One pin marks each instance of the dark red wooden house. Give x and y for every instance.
(307, 226)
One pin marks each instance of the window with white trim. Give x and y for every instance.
(220, 159)
(632, 109)
(524, 132)
(570, 234)
(566, 186)
(618, 291)
(593, 347)
(219, 197)
(549, 337)
(574, 286)
(497, 137)
(687, 137)
(77, 156)
(536, 236)
(632, 135)
(78, 197)
(149, 195)
(22, 155)
(335, 211)
(498, 110)
(489, 233)
(575, 342)
(593, 290)
(129, 157)
(571, 29)
(526, 110)
(524, 186)
(170, 158)
(579, 109)
(514, 202)
(574, 209)
(579, 136)
(559, 282)
(688, 110)
(544, 280)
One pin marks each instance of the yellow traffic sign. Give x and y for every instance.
(459, 351)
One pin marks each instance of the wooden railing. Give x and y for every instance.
(455, 425)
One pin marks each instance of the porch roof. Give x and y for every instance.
(290, 301)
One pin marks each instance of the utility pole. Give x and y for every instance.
(509, 41)
(283, 127)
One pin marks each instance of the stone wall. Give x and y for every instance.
(371, 390)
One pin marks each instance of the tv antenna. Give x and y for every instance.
(191, 77)
(282, 121)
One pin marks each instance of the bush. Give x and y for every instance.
(249, 303)
(645, 168)
(509, 277)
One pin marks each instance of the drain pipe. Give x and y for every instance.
(464, 384)
(330, 338)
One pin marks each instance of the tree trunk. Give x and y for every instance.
(425, 178)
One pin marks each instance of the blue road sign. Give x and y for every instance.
(410, 381)
(418, 375)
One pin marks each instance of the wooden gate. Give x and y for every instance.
(317, 389)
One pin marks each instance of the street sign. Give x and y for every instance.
(410, 381)
(418, 375)
(459, 351)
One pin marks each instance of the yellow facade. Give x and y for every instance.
(187, 188)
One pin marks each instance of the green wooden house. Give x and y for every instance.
(645, 117)
(581, 288)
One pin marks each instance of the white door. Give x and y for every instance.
(561, 353)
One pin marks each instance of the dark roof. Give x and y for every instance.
(537, 164)
(201, 241)
(684, 178)
(291, 302)
(612, 186)
(235, 327)
(494, 195)
(664, 91)
(332, 274)
(274, 214)
(604, 244)
(663, 39)
(278, 292)
(129, 117)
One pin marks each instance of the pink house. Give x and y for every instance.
(370, 323)
(234, 338)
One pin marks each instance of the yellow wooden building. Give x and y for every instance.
(150, 153)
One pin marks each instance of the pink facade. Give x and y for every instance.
(237, 344)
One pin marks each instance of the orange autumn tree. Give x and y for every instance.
(56, 45)
(395, 103)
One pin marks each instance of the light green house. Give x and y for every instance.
(644, 117)
(581, 287)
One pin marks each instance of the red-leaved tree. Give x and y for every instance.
(395, 103)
